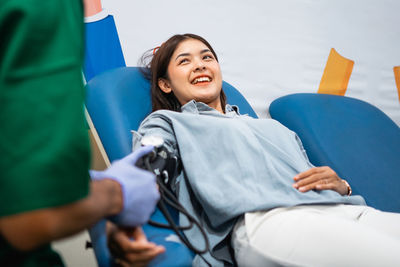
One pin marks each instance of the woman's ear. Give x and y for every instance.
(164, 85)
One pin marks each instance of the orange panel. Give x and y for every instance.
(396, 71)
(336, 74)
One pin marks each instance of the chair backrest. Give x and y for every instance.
(119, 99)
(356, 139)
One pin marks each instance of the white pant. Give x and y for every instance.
(318, 235)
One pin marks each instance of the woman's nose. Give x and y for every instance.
(199, 65)
(200, 68)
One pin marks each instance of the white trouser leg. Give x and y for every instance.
(387, 222)
(318, 235)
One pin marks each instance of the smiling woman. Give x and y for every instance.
(249, 181)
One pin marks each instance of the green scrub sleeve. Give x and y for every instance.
(43, 139)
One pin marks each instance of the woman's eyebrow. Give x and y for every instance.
(182, 55)
(204, 51)
(188, 54)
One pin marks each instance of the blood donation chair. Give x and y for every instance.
(354, 138)
(117, 101)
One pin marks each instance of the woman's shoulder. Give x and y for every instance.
(160, 117)
(163, 114)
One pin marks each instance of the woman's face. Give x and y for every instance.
(194, 73)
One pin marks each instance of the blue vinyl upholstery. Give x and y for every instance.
(354, 138)
(117, 101)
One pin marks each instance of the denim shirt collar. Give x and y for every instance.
(201, 108)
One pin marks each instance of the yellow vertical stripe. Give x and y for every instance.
(336, 75)
(396, 71)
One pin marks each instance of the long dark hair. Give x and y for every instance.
(156, 61)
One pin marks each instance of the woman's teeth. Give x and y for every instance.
(201, 79)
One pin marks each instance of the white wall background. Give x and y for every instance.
(271, 48)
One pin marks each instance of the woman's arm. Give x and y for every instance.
(321, 178)
(157, 125)
(28, 230)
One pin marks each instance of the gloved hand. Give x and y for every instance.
(139, 189)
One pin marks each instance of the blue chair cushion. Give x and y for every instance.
(354, 138)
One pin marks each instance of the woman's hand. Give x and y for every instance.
(320, 178)
(131, 248)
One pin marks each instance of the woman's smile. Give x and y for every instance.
(201, 80)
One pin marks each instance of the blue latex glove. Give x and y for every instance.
(139, 189)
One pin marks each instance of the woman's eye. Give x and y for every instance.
(183, 61)
(207, 57)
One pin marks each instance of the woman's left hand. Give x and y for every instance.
(320, 178)
(130, 247)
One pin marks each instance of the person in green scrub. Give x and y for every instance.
(45, 190)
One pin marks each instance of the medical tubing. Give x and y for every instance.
(173, 202)
(164, 210)
(178, 208)
(168, 197)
